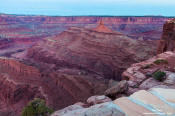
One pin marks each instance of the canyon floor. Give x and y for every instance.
(65, 60)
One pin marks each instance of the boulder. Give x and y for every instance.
(149, 83)
(81, 104)
(112, 83)
(121, 87)
(170, 79)
(98, 99)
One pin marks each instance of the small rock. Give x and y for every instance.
(98, 99)
(149, 83)
(81, 104)
(170, 79)
(140, 76)
(132, 84)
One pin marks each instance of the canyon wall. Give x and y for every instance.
(84, 19)
(22, 82)
(167, 42)
(65, 63)
(18, 33)
(105, 54)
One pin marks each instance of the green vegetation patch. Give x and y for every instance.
(161, 61)
(159, 75)
(37, 107)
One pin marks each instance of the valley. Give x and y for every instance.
(65, 60)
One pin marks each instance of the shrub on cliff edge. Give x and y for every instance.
(161, 61)
(159, 75)
(37, 107)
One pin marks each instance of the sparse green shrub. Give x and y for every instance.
(37, 107)
(161, 61)
(159, 75)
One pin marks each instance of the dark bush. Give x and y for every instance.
(159, 75)
(37, 107)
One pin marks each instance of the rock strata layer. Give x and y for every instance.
(106, 55)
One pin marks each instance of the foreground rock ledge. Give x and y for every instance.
(155, 101)
(140, 75)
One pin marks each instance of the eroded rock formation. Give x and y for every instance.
(167, 42)
(99, 53)
(102, 28)
(18, 33)
(21, 83)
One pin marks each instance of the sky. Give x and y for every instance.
(89, 7)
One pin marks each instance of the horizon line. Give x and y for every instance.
(87, 15)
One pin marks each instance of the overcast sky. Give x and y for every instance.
(89, 7)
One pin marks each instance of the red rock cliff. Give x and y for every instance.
(21, 83)
(105, 54)
(167, 42)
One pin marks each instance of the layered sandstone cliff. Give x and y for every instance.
(24, 27)
(167, 42)
(96, 52)
(84, 19)
(21, 83)
(24, 31)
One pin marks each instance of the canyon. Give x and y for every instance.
(65, 60)
(20, 32)
(147, 87)
(94, 51)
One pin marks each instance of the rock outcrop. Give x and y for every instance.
(156, 101)
(106, 55)
(98, 99)
(102, 28)
(117, 90)
(167, 42)
(142, 75)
